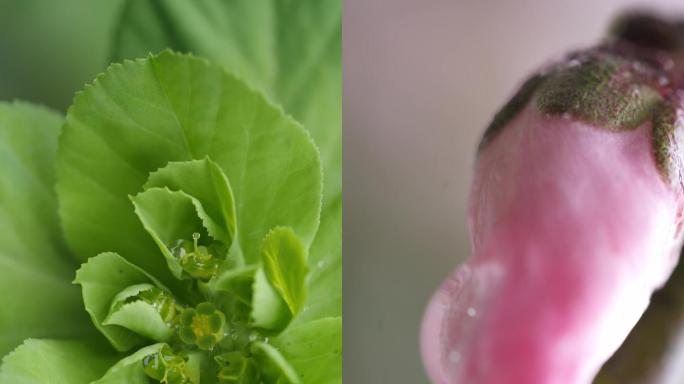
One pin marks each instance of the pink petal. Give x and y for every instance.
(572, 228)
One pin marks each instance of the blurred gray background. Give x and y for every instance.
(422, 79)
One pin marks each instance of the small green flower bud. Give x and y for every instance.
(202, 326)
(198, 261)
(167, 367)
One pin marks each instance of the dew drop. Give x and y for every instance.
(454, 356)
(320, 264)
(252, 336)
(471, 312)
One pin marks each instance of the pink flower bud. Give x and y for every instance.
(575, 218)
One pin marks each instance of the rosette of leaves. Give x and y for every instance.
(288, 49)
(193, 202)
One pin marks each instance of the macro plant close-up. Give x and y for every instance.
(575, 220)
(180, 222)
(525, 206)
(171, 195)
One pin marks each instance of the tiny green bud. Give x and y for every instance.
(199, 261)
(167, 367)
(202, 326)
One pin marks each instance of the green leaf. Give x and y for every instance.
(324, 283)
(205, 181)
(142, 318)
(37, 299)
(229, 279)
(269, 310)
(102, 278)
(289, 49)
(275, 365)
(129, 370)
(141, 115)
(284, 263)
(144, 309)
(56, 362)
(314, 349)
(169, 216)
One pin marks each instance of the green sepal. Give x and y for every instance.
(597, 92)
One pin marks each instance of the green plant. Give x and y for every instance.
(210, 244)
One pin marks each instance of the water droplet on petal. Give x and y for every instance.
(471, 312)
(454, 356)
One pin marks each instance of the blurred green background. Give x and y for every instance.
(50, 49)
